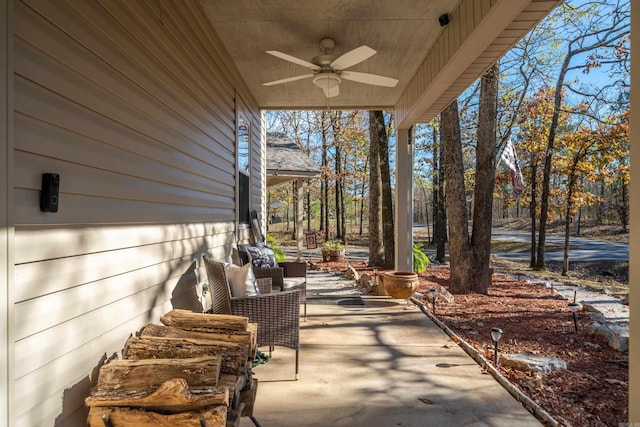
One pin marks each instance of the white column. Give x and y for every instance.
(634, 224)
(7, 208)
(404, 201)
(300, 221)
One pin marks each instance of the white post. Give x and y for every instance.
(404, 201)
(634, 223)
(7, 209)
(299, 215)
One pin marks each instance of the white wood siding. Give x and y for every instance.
(132, 103)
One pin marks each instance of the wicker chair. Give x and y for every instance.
(287, 276)
(277, 314)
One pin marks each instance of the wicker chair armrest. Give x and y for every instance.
(302, 287)
(276, 274)
(277, 316)
(294, 269)
(264, 285)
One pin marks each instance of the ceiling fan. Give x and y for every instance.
(329, 71)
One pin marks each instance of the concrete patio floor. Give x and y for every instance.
(376, 364)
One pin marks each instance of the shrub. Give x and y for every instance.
(420, 259)
(275, 246)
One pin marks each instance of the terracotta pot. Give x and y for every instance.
(400, 284)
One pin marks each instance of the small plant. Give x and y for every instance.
(420, 259)
(275, 247)
(332, 245)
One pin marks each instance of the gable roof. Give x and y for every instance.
(286, 161)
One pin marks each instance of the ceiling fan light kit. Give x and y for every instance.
(329, 71)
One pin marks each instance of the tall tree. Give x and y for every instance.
(382, 140)
(375, 196)
(584, 154)
(460, 250)
(439, 210)
(336, 128)
(469, 257)
(484, 179)
(589, 28)
(324, 205)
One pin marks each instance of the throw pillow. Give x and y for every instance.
(261, 256)
(242, 281)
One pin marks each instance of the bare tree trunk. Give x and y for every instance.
(567, 220)
(460, 250)
(324, 205)
(601, 206)
(484, 180)
(343, 212)
(335, 125)
(375, 198)
(439, 206)
(426, 213)
(623, 206)
(362, 191)
(532, 211)
(387, 198)
(546, 188)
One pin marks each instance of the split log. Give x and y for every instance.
(215, 416)
(234, 356)
(185, 319)
(246, 339)
(213, 323)
(235, 385)
(174, 395)
(148, 374)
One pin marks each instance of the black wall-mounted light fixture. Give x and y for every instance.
(49, 193)
(444, 20)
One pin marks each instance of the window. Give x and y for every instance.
(243, 145)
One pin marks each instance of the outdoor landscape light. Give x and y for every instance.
(496, 334)
(432, 292)
(573, 307)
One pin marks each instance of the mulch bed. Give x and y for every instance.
(592, 391)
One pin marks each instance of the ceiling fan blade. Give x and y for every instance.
(371, 79)
(293, 59)
(331, 92)
(287, 80)
(352, 57)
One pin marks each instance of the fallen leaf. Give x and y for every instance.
(425, 400)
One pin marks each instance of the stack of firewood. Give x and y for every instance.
(193, 370)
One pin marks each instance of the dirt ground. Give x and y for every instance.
(592, 391)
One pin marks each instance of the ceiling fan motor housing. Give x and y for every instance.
(326, 80)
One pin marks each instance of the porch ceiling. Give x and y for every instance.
(433, 63)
